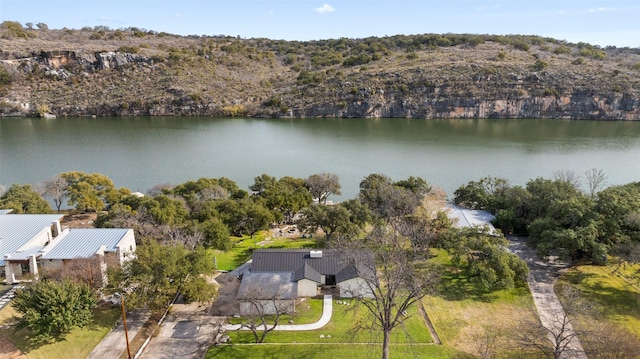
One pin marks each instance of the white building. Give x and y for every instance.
(30, 243)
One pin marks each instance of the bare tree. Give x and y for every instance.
(554, 336)
(395, 277)
(159, 188)
(190, 238)
(486, 341)
(80, 270)
(262, 309)
(322, 185)
(55, 188)
(595, 180)
(568, 176)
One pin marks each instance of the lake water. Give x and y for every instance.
(139, 153)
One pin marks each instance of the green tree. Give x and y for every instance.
(159, 272)
(284, 197)
(23, 199)
(89, 191)
(330, 219)
(51, 309)
(216, 234)
(485, 258)
(323, 185)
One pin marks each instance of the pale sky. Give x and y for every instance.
(599, 22)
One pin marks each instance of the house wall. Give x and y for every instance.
(307, 288)
(354, 287)
(268, 306)
(92, 270)
(126, 248)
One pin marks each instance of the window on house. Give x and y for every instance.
(25, 268)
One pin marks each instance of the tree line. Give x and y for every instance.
(559, 216)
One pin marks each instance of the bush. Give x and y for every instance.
(412, 55)
(15, 29)
(540, 65)
(236, 110)
(5, 77)
(129, 49)
(562, 49)
(51, 309)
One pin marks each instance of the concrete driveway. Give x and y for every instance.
(186, 333)
(542, 277)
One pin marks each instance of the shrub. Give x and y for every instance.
(5, 77)
(520, 45)
(562, 49)
(412, 55)
(593, 53)
(540, 65)
(129, 49)
(236, 110)
(15, 29)
(578, 61)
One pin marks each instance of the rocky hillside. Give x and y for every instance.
(131, 72)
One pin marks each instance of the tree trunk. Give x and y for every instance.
(385, 344)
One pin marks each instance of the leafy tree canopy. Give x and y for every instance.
(51, 309)
(23, 199)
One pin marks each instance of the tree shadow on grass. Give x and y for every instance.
(455, 286)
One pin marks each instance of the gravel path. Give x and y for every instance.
(542, 277)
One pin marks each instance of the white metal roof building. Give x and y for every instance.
(86, 242)
(17, 231)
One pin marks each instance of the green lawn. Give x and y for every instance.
(613, 292)
(323, 351)
(242, 247)
(77, 344)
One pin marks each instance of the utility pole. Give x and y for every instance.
(124, 319)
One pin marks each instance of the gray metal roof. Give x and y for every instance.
(267, 286)
(17, 229)
(84, 242)
(295, 261)
(307, 271)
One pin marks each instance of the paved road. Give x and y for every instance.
(327, 311)
(542, 277)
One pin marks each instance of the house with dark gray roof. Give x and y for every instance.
(302, 272)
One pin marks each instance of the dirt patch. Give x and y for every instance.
(78, 219)
(226, 303)
(9, 351)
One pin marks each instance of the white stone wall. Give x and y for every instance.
(307, 288)
(354, 287)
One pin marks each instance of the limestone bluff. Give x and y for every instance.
(74, 73)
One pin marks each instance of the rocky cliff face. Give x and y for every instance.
(116, 83)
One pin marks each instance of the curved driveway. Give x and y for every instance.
(327, 310)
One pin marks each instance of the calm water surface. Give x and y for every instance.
(139, 153)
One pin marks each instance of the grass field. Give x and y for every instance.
(611, 318)
(75, 345)
(242, 247)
